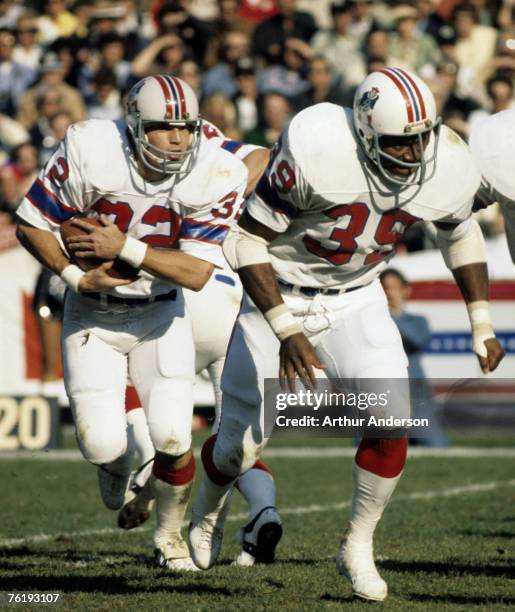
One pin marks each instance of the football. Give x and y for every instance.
(120, 269)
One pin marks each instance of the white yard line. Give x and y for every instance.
(479, 487)
(292, 452)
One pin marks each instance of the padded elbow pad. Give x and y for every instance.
(241, 248)
(463, 245)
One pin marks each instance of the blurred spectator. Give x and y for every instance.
(276, 116)
(429, 21)
(219, 109)
(415, 334)
(324, 86)
(500, 92)
(255, 12)
(189, 71)
(339, 47)
(409, 48)
(174, 18)
(50, 132)
(9, 195)
(377, 44)
(27, 50)
(246, 99)
(106, 100)
(83, 10)
(270, 36)
(15, 78)
(220, 78)
(9, 13)
(164, 54)
(51, 76)
(26, 166)
(108, 18)
(56, 22)
(287, 75)
(363, 21)
(475, 44)
(12, 134)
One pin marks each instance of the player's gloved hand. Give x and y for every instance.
(494, 355)
(97, 279)
(298, 357)
(102, 242)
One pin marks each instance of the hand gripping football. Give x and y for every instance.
(120, 269)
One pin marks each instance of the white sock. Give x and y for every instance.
(171, 504)
(258, 490)
(370, 497)
(142, 441)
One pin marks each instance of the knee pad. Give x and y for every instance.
(236, 450)
(99, 445)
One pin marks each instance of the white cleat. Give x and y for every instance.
(206, 534)
(113, 487)
(356, 561)
(259, 538)
(173, 554)
(138, 504)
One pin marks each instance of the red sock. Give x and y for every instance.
(259, 465)
(213, 473)
(164, 469)
(382, 456)
(132, 399)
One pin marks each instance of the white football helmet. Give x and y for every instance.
(157, 100)
(395, 102)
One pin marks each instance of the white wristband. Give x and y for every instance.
(481, 324)
(282, 322)
(133, 252)
(71, 275)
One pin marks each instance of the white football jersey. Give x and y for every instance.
(493, 145)
(94, 171)
(215, 135)
(339, 222)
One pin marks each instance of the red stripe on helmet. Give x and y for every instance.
(417, 92)
(167, 93)
(182, 97)
(402, 89)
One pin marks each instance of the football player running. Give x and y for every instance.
(166, 198)
(221, 297)
(492, 142)
(341, 188)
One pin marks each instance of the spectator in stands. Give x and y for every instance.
(174, 18)
(415, 334)
(27, 50)
(246, 99)
(475, 44)
(55, 131)
(287, 75)
(26, 166)
(12, 134)
(106, 100)
(51, 76)
(15, 78)
(220, 78)
(500, 92)
(270, 36)
(220, 110)
(9, 13)
(341, 49)
(189, 71)
(56, 22)
(409, 48)
(325, 86)
(363, 21)
(162, 55)
(276, 116)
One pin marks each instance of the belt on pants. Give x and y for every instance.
(312, 291)
(105, 298)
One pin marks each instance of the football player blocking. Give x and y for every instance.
(341, 188)
(165, 187)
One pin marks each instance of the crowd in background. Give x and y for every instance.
(253, 64)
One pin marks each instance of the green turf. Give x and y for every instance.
(446, 553)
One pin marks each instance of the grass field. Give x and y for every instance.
(446, 541)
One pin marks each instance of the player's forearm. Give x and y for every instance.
(179, 268)
(472, 281)
(42, 245)
(256, 162)
(259, 281)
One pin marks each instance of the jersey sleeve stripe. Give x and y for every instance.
(204, 232)
(270, 197)
(48, 203)
(231, 145)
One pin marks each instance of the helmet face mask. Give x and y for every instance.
(395, 105)
(163, 102)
